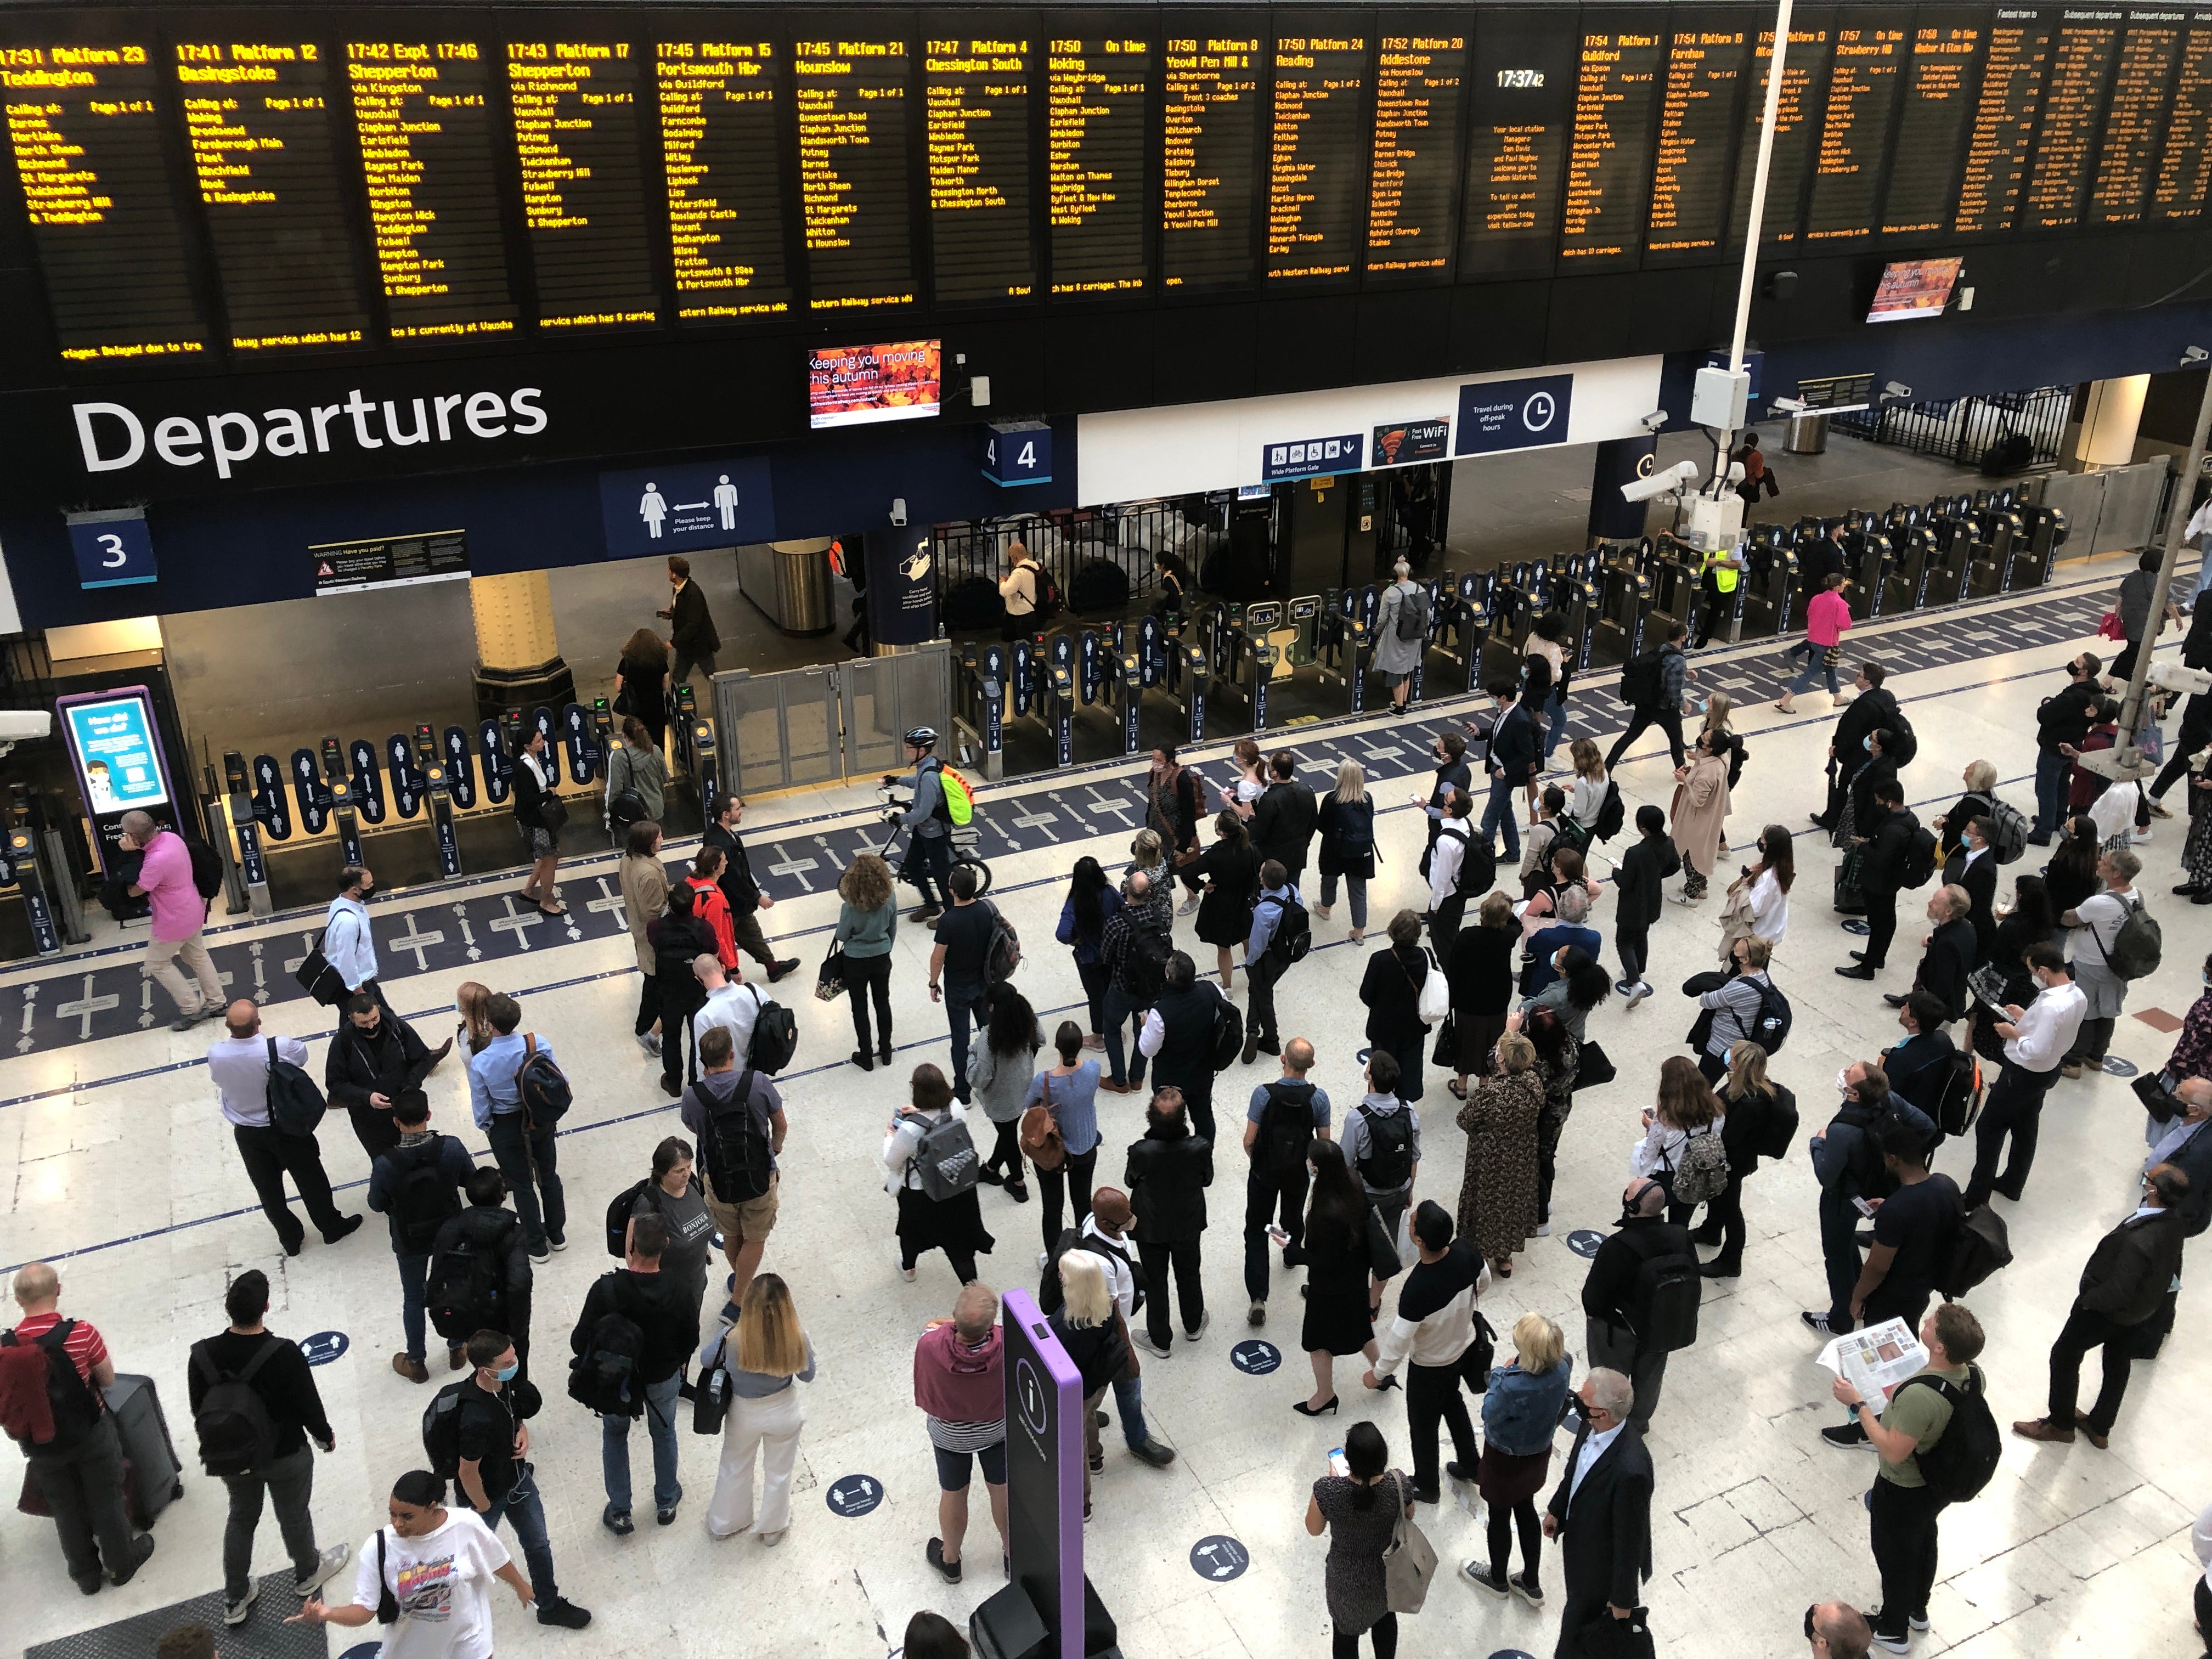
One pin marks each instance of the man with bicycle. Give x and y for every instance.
(928, 823)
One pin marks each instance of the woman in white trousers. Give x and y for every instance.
(764, 1352)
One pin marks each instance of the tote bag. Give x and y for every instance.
(1409, 1563)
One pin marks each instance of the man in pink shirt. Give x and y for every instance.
(165, 876)
(1827, 619)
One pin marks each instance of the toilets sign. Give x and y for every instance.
(678, 509)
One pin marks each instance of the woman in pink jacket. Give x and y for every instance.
(1827, 619)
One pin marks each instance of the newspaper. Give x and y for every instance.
(1877, 1359)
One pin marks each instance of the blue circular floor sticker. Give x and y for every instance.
(1853, 925)
(323, 1346)
(1255, 1358)
(2115, 1067)
(1512, 1653)
(1585, 1243)
(1218, 1558)
(855, 1495)
(362, 1651)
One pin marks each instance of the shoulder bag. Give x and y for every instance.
(1409, 1565)
(1040, 1133)
(1434, 994)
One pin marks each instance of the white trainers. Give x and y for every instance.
(898, 1261)
(2140, 836)
(1188, 905)
(328, 1563)
(1643, 990)
(1543, 1229)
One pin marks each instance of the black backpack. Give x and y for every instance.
(1776, 1129)
(541, 1085)
(1386, 1162)
(604, 1377)
(1001, 955)
(1478, 868)
(237, 1435)
(1664, 1311)
(422, 1200)
(1413, 609)
(1228, 1033)
(1960, 1463)
(775, 1035)
(1918, 867)
(206, 868)
(1293, 935)
(1958, 1102)
(619, 1210)
(69, 1399)
(1611, 816)
(1908, 741)
(295, 1105)
(1641, 683)
(1145, 962)
(1981, 1246)
(1047, 596)
(1770, 1027)
(1286, 1129)
(465, 1290)
(441, 1430)
(732, 1151)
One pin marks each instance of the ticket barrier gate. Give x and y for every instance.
(1574, 600)
(1516, 601)
(1452, 635)
(2035, 547)
(1348, 643)
(1675, 589)
(1768, 590)
(1999, 530)
(46, 852)
(1868, 559)
(1170, 663)
(1624, 611)
(1911, 571)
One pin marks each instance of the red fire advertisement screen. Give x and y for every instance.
(852, 385)
(1913, 288)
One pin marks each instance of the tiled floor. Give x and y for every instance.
(119, 1166)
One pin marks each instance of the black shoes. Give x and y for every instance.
(346, 1228)
(1328, 1409)
(1719, 1268)
(934, 1553)
(141, 1551)
(1861, 971)
(1893, 999)
(563, 1613)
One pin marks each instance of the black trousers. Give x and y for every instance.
(1549, 1128)
(1007, 1150)
(1839, 788)
(1668, 720)
(1071, 1179)
(1881, 924)
(270, 1155)
(1503, 1521)
(2092, 1042)
(649, 1003)
(1901, 1522)
(1190, 1290)
(2083, 1331)
(676, 1039)
(866, 978)
(1383, 1633)
(2014, 1108)
(1259, 1003)
(1726, 1213)
(2196, 726)
(1264, 1194)
(1433, 1397)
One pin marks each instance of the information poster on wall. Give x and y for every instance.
(1497, 416)
(115, 751)
(435, 555)
(681, 508)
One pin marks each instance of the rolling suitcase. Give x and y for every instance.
(151, 1472)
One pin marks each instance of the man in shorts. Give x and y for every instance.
(959, 1383)
(745, 1224)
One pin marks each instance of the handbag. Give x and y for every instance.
(1608, 1638)
(1409, 1563)
(553, 814)
(829, 983)
(1447, 1048)
(1596, 1067)
(1478, 1356)
(1831, 655)
(1040, 1133)
(317, 978)
(1434, 1001)
(2155, 1091)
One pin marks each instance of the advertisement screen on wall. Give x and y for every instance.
(857, 386)
(1913, 288)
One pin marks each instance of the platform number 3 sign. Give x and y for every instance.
(1017, 452)
(113, 549)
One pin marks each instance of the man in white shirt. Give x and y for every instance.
(239, 1065)
(731, 1004)
(347, 945)
(1017, 591)
(2096, 924)
(1446, 904)
(2036, 1039)
(1105, 1234)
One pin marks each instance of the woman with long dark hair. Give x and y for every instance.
(1069, 1092)
(642, 680)
(1092, 899)
(1231, 870)
(1173, 598)
(999, 1069)
(1581, 984)
(1481, 981)
(867, 928)
(2071, 876)
(954, 1225)
(1337, 1253)
(1685, 1106)
(1359, 1511)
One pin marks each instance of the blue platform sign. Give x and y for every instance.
(1497, 416)
(1017, 452)
(113, 549)
(675, 509)
(1313, 458)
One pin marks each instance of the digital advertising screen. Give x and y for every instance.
(117, 758)
(1913, 288)
(861, 384)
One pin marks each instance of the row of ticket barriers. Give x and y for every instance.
(1222, 669)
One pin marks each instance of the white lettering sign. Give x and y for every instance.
(110, 436)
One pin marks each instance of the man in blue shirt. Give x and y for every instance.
(526, 1156)
(1263, 967)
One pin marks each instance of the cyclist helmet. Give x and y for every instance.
(922, 737)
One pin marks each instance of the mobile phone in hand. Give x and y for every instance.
(1862, 1206)
(1337, 1462)
(1276, 1233)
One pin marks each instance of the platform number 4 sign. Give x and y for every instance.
(1017, 452)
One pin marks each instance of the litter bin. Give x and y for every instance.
(789, 583)
(1809, 434)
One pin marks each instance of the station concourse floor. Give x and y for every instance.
(122, 1172)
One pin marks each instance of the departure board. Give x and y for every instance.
(257, 123)
(84, 124)
(719, 158)
(1706, 69)
(2081, 62)
(1211, 124)
(420, 108)
(851, 100)
(2183, 170)
(1094, 157)
(2005, 112)
(1317, 144)
(1939, 89)
(976, 124)
(1414, 167)
(1796, 124)
(1520, 107)
(575, 105)
(1609, 146)
(1862, 85)
(2135, 123)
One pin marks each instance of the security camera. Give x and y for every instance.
(21, 726)
(1897, 389)
(1654, 421)
(898, 510)
(2193, 355)
(1669, 481)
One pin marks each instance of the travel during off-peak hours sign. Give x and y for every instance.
(217, 186)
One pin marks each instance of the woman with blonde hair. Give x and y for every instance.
(1520, 1410)
(867, 928)
(1687, 1107)
(1144, 854)
(472, 1002)
(1498, 1189)
(1979, 801)
(1591, 780)
(1749, 1102)
(770, 1350)
(1089, 1328)
(1346, 822)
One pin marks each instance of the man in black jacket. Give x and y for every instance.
(489, 1234)
(1883, 841)
(1948, 954)
(1283, 817)
(1609, 1292)
(692, 638)
(1974, 868)
(1847, 1162)
(278, 1373)
(659, 1305)
(2123, 1285)
(737, 886)
(1873, 710)
(1639, 888)
(1167, 1172)
(1602, 1510)
(2061, 722)
(375, 1059)
(1515, 754)
(1919, 1067)
(1177, 1035)
(416, 1184)
(678, 939)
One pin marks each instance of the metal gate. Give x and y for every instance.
(809, 725)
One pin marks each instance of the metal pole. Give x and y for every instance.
(2131, 705)
(1759, 186)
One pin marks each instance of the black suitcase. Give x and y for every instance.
(151, 1469)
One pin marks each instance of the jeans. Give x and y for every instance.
(649, 1003)
(1129, 1406)
(2014, 1108)
(290, 1482)
(1815, 663)
(84, 1489)
(1615, 1346)
(414, 1284)
(1668, 719)
(963, 1002)
(1555, 715)
(2052, 770)
(524, 1509)
(1006, 1158)
(1881, 926)
(1265, 1195)
(1633, 946)
(1383, 1633)
(1433, 1397)
(1501, 812)
(270, 1155)
(1902, 1525)
(1190, 1290)
(929, 862)
(1072, 1177)
(526, 1156)
(2083, 1331)
(661, 1426)
(866, 977)
(1124, 1008)
(1260, 979)
(1355, 886)
(1095, 975)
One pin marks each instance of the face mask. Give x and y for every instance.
(1844, 1080)
(1867, 744)
(508, 1373)
(1705, 705)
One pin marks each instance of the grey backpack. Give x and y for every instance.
(945, 1160)
(1699, 1171)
